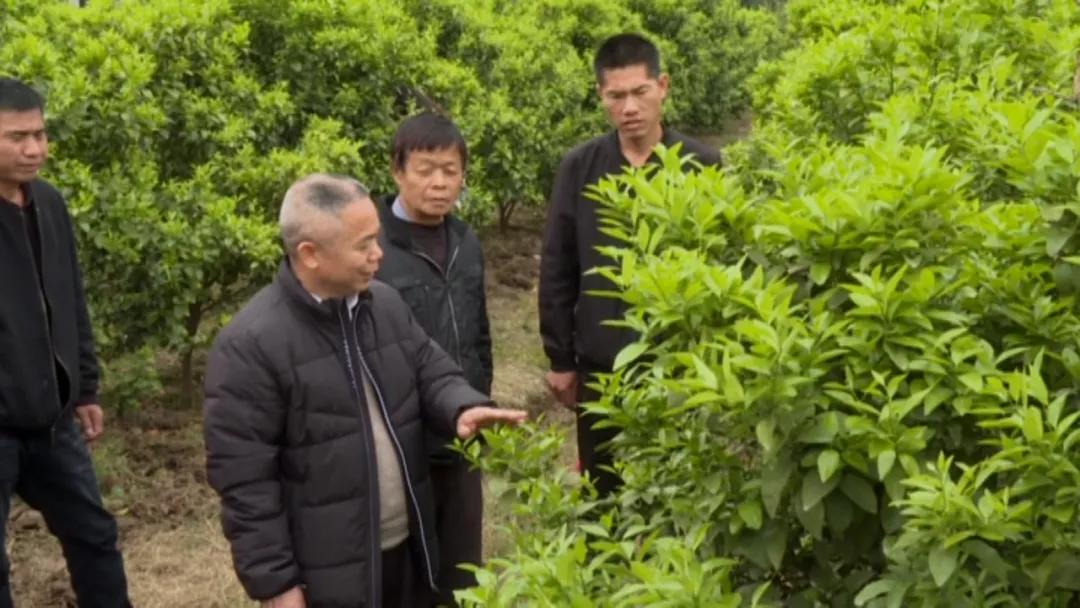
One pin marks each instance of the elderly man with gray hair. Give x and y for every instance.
(318, 394)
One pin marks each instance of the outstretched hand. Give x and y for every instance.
(473, 419)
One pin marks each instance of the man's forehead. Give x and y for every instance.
(24, 120)
(627, 78)
(449, 154)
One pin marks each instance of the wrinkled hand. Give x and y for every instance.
(475, 418)
(92, 420)
(563, 386)
(293, 598)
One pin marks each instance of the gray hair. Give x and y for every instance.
(322, 193)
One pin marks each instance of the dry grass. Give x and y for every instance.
(151, 470)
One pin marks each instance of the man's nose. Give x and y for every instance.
(34, 147)
(439, 179)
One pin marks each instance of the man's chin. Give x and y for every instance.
(437, 211)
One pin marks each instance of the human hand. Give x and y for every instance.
(475, 418)
(293, 598)
(563, 386)
(92, 420)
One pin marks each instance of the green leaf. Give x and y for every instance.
(988, 558)
(733, 390)
(1037, 387)
(814, 489)
(774, 478)
(1033, 424)
(819, 272)
(630, 353)
(942, 564)
(764, 430)
(860, 492)
(896, 595)
(972, 380)
(874, 590)
(823, 430)
(1057, 237)
(750, 513)
(838, 513)
(813, 518)
(776, 544)
(827, 463)
(708, 378)
(885, 461)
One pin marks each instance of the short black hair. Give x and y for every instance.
(17, 96)
(625, 50)
(427, 132)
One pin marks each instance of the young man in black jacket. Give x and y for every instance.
(318, 397)
(48, 369)
(578, 343)
(435, 261)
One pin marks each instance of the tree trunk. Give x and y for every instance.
(187, 379)
(506, 210)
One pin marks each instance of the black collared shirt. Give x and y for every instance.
(571, 321)
(431, 241)
(30, 224)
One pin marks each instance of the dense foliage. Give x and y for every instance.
(858, 380)
(177, 126)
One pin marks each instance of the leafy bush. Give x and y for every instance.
(858, 377)
(170, 154)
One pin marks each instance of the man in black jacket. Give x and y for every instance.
(572, 322)
(48, 370)
(318, 394)
(435, 262)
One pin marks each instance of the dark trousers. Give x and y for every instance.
(403, 584)
(595, 458)
(459, 523)
(56, 477)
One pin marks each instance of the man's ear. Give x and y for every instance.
(398, 173)
(664, 81)
(307, 255)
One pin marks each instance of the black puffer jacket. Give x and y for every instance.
(450, 305)
(47, 360)
(289, 442)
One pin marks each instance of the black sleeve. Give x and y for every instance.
(244, 421)
(483, 339)
(89, 372)
(560, 270)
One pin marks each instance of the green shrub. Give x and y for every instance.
(859, 367)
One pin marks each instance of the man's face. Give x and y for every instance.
(23, 146)
(348, 254)
(633, 100)
(430, 183)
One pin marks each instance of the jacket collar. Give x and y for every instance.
(328, 309)
(397, 229)
(668, 136)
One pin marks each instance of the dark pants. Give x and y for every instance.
(595, 458)
(57, 478)
(459, 523)
(403, 584)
